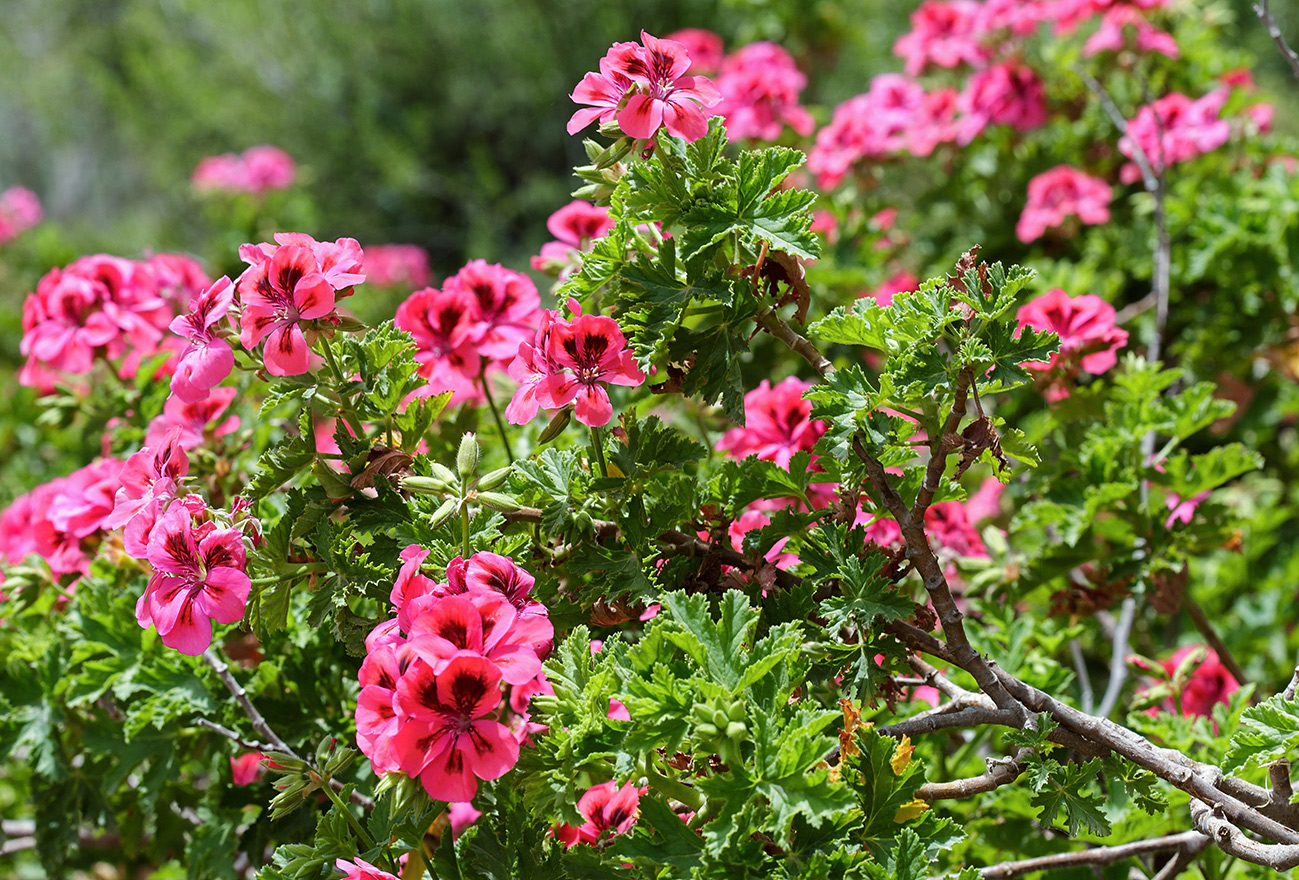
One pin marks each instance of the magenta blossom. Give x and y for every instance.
(608, 810)
(20, 210)
(591, 351)
(397, 265)
(508, 307)
(208, 359)
(149, 481)
(360, 869)
(449, 741)
(258, 170)
(777, 423)
(574, 226)
(760, 85)
(946, 34)
(195, 420)
(198, 577)
(704, 47)
(1056, 195)
(1088, 335)
(1174, 129)
(1008, 93)
(650, 85)
(446, 325)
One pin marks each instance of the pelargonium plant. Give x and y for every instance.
(850, 568)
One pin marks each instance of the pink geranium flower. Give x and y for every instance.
(574, 226)
(20, 210)
(777, 423)
(531, 367)
(593, 352)
(1209, 684)
(377, 722)
(1056, 195)
(247, 768)
(56, 519)
(1085, 325)
(288, 285)
(195, 420)
(208, 359)
(650, 85)
(478, 623)
(258, 170)
(1008, 93)
(508, 307)
(198, 577)
(360, 869)
(1174, 129)
(1110, 37)
(149, 481)
(608, 810)
(946, 34)
(878, 123)
(704, 47)
(446, 325)
(760, 85)
(393, 265)
(448, 741)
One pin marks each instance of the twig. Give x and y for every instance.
(1231, 840)
(1000, 772)
(1099, 855)
(1118, 657)
(1084, 678)
(1274, 31)
(1211, 636)
(962, 717)
(251, 744)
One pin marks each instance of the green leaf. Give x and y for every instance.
(1063, 787)
(1268, 732)
(718, 647)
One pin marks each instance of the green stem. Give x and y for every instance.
(464, 526)
(345, 411)
(597, 444)
(361, 833)
(500, 425)
(676, 790)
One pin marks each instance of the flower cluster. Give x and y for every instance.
(1088, 335)
(777, 423)
(397, 265)
(570, 362)
(431, 698)
(760, 85)
(1056, 195)
(103, 307)
(1174, 129)
(574, 226)
(287, 288)
(608, 811)
(479, 318)
(20, 210)
(645, 88)
(61, 521)
(258, 170)
(1209, 685)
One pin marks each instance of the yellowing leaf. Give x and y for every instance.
(910, 810)
(902, 756)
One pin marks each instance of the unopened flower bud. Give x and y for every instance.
(467, 457)
(417, 485)
(494, 479)
(444, 473)
(498, 501)
(444, 512)
(556, 426)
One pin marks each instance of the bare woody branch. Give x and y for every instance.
(1000, 772)
(1186, 841)
(1231, 840)
(1274, 31)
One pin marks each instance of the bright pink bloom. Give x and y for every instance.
(447, 741)
(936, 121)
(760, 85)
(509, 307)
(247, 768)
(592, 351)
(704, 47)
(1085, 325)
(948, 525)
(446, 325)
(360, 869)
(1174, 129)
(1008, 93)
(55, 519)
(397, 265)
(259, 170)
(198, 577)
(574, 226)
(900, 282)
(1018, 17)
(777, 423)
(531, 367)
(608, 810)
(20, 210)
(1111, 37)
(1056, 195)
(876, 124)
(149, 481)
(208, 359)
(377, 722)
(223, 172)
(478, 623)
(195, 419)
(1209, 685)
(460, 817)
(652, 79)
(947, 34)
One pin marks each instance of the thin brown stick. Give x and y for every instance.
(1274, 31)
(961, 717)
(1211, 636)
(1000, 772)
(1099, 855)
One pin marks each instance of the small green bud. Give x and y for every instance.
(736, 712)
(719, 718)
(445, 512)
(494, 479)
(736, 730)
(706, 731)
(445, 474)
(417, 485)
(556, 426)
(498, 501)
(467, 457)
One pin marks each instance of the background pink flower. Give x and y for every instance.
(1056, 195)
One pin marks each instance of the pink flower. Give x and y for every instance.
(360, 869)
(55, 520)
(575, 226)
(661, 94)
(446, 325)
(377, 722)
(900, 282)
(286, 286)
(936, 122)
(509, 307)
(397, 265)
(1085, 325)
(608, 810)
(198, 577)
(246, 768)
(208, 359)
(878, 123)
(1062, 192)
(258, 170)
(447, 741)
(460, 817)
(1174, 129)
(194, 419)
(481, 624)
(531, 367)
(946, 34)
(1019, 17)
(760, 85)
(1110, 36)
(20, 210)
(1008, 93)
(149, 481)
(777, 423)
(592, 351)
(753, 520)
(1209, 685)
(704, 47)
